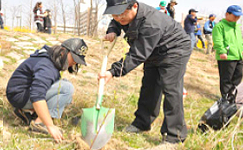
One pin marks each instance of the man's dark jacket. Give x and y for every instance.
(150, 39)
(47, 22)
(189, 24)
(171, 10)
(32, 79)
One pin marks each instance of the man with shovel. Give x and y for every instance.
(164, 48)
(35, 86)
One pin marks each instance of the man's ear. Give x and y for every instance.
(135, 5)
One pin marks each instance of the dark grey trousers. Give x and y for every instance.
(230, 73)
(164, 78)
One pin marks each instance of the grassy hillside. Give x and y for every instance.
(201, 83)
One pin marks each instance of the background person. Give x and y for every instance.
(38, 16)
(35, 86)
(228, 44)
(47, 21)
(1, 20)
(208, 28)
(171, 9)
(189, 25)
(198, 33)
(162, 7)
(164, 48)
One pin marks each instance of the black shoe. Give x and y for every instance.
(26, 117)
(76, 120)
(132, 129)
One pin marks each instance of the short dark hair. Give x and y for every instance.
(131, 5)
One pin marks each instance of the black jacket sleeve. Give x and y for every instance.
(114, 27)
(171, 11)
(192, 19)
(140, 49)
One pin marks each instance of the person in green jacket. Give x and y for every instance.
(228, 44)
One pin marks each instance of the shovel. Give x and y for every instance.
(97, 123)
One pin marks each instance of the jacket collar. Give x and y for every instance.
(232, 24)
(141, 10)
(140, 15)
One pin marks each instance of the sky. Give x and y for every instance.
(206, 7)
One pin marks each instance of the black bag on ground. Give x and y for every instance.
(219, 114)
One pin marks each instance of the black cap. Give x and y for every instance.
(192, 10)
(117, 7)
(78, 49)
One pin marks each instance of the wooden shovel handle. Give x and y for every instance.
(103, 70)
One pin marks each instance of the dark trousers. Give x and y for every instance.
(167, 79)
(48, 30)
(39, 27)
(201, 39)
(230, 73)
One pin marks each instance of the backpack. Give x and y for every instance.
(219, 114)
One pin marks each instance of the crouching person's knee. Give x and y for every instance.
(67, 89)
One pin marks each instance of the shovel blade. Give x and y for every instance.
(97, 126)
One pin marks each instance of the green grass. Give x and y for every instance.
(12, 60)
(31, 40)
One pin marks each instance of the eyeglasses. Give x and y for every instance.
(124, 14)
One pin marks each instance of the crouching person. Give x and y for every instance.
(36, 91)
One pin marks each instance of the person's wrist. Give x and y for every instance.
(50, 126)
(112, 71)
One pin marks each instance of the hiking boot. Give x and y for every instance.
(26, 117)
(38, 127)
(132, 129)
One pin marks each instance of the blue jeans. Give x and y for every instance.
(57, 102)
(193, 39)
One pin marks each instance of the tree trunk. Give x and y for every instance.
(95, 24)
(55, 16)
(63, 17)
(90, 17)
(78, 17)
(30, 15)
(75, 14)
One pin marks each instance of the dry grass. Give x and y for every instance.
(201, 82)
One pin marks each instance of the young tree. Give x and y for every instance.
(96, 18)
(90, 16)
(77, 15)
(15, 11)
(30, 15)
(63, 16)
